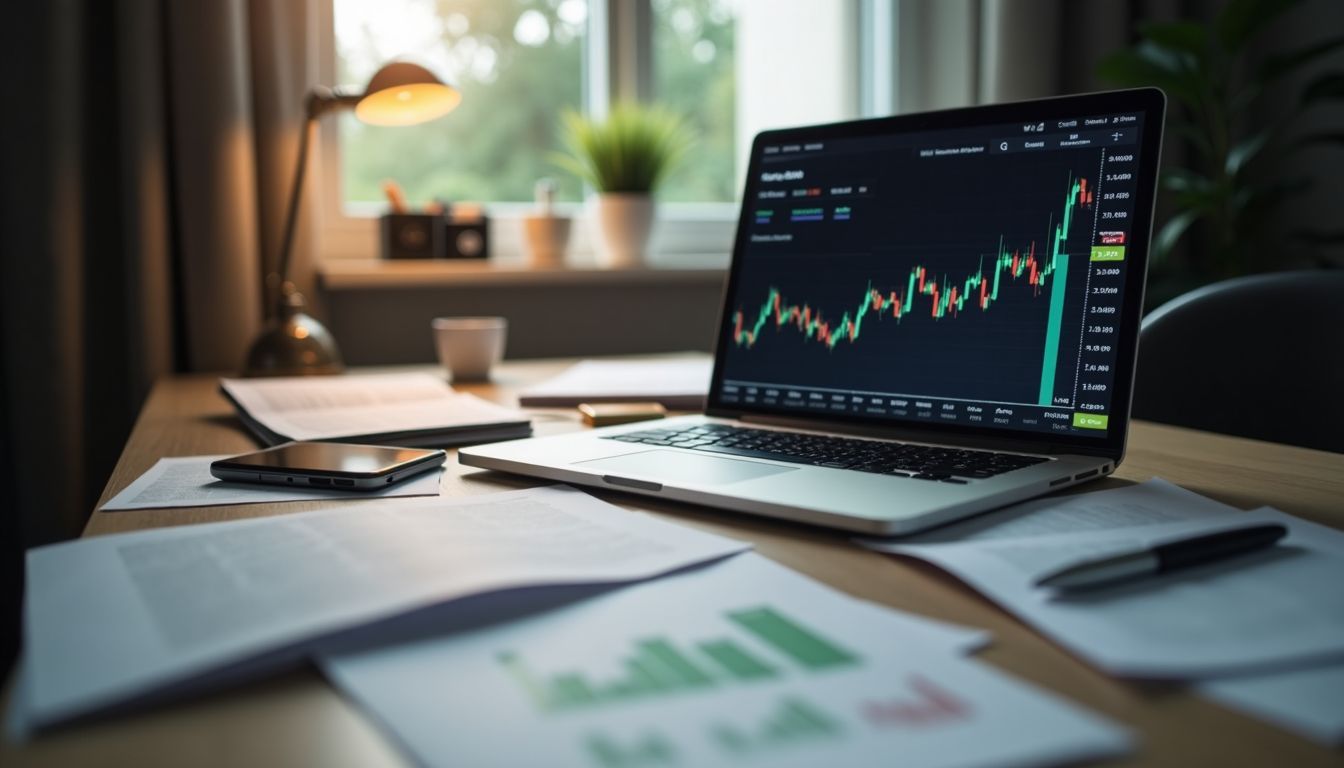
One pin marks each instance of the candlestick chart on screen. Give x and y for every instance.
(932, 316)
(944, 297)
(979, 277)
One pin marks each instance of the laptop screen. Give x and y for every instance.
(968, 268)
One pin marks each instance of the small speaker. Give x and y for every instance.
(466, 238)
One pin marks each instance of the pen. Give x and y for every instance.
(1163, 558)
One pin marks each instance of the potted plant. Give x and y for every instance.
(1223, 199)
(624, 158)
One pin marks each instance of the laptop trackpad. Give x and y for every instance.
(680, 467)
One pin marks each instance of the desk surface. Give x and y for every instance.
(298, 719)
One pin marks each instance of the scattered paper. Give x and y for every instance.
(679, 384)
(114, 617)
(185, 481)
(738, 662)
(403, 409)
(1223, 618)
(1309, 702)
(1156, 501)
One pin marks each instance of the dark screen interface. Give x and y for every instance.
(968, 276)
(326, 457)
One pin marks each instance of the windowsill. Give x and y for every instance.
(345, 274)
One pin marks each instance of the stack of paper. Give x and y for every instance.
(115, 618)
(1238, 627)
(413, 409)
(739, 662)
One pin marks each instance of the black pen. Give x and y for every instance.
(1163, 557)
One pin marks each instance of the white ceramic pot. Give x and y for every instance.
(546, 238)
(624, 223)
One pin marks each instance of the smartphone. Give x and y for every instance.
(340, 466)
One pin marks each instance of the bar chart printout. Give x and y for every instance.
(658, 667)
(759, 667)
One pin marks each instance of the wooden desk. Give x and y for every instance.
(297, 719)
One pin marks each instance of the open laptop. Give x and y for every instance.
(927, 316)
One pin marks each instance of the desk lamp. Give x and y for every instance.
(400, 93)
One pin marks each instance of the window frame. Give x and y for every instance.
(618, 66)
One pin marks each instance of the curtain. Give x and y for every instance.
(148, 149)
(86, 319)
(953, 53)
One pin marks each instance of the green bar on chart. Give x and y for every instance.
(534, 687)
(1054, 324)
(794, 721)
(678, 667)
(797, 719)
(571, 690)
(643, 679)
(810, 650)
(651, 750)
(736, 661)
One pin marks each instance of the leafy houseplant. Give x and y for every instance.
(1224, 199)
(624, 158)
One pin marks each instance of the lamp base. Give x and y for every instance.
(295, 344)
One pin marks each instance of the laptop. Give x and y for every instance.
(926, 317)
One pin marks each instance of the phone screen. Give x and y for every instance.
(329, 457)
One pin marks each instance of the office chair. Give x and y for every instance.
(1259, 357)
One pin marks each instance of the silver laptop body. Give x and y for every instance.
(964, 284)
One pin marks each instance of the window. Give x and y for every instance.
(521, 63)
(694, 74)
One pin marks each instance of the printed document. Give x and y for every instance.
(1308, 701)
(677, 383)
(1150, 503)
(185, 481)
(739, 662)
(114, 617)
(1219, 619)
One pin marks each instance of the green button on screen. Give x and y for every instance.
(1090, 420)
(1108, 253)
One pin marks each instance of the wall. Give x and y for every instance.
(382, 317)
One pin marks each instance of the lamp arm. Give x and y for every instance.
(322, 100)
(292, 213)
(318, 102)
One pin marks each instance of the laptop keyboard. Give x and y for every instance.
(924, 462)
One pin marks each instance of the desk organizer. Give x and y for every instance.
(466, 237)
(412, 236)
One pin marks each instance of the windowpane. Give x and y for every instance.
(693, 73)
(519, 64)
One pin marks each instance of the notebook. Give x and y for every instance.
(408, 409)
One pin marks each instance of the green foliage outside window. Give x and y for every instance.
(694, 75)
(494, 145)
(520, 66)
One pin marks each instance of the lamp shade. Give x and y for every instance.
(402, 93)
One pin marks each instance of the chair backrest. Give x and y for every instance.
(1259, 356)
